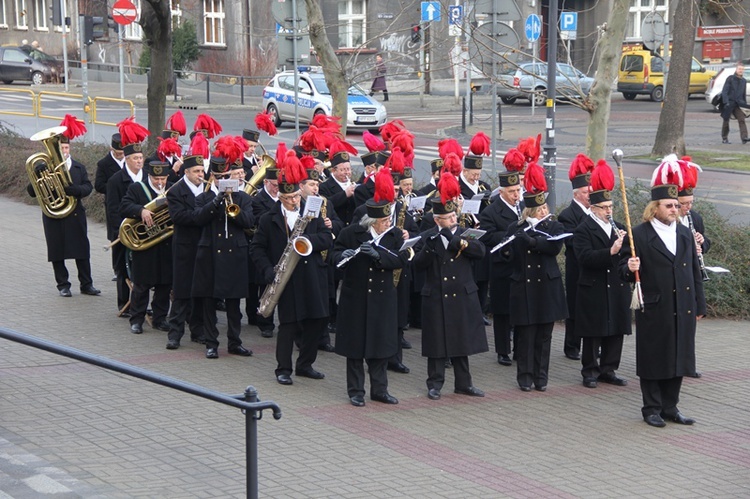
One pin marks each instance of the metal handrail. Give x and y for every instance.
(23, 91)
(95, 102)
(251, 406)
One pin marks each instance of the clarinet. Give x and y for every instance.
(704, 274)
(614, 226)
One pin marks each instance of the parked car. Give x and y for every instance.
(716, 85)
(363, 112)
(57, 67)
(15, 64)
(642, 72)
(529, 81)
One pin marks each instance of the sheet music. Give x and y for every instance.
(228, 185)
(409, 243)
(313, 205)
(417, 203)
(473, 234)
(479, 196)
(472, 206)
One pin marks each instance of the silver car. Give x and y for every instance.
(363, 112)
(529, 81)
(716, 85)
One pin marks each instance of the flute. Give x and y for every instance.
(704, 274)
(513, 236)
(374, 241)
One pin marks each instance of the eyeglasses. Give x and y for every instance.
(669, 206)
(686, 203)
(290, 196)
(605, 208)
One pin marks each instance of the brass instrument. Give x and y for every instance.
(252, 186)
(323, 213)
(704, 273)
(137, 236)
(232, 209)
(49, 175)
(400, 220)
(297, 246)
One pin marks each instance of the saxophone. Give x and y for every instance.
(323, 213)
(400, 220)
(297, 246)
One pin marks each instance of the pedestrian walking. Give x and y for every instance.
(732, 99)
(378, 84)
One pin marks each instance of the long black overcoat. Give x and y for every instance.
(187, 233)
(452, 324)
(105, 168)
(570, 217)
(150, 266)
(344, 205)
(221, 261)
(496, 219)
(536, 289)
(367, 322)
(117, 186)
(67, 238)
(306, 293)
(672, 299)
(603, 302)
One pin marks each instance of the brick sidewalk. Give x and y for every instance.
(74, 430)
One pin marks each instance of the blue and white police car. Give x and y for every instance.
(364, 112)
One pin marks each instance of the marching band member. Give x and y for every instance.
(537, 298)
(366, 190)
(603, 299)
(339, 189)
(452, 324)
(250, 161)
(169, 149)
(152, 267)
(580, 176)
(365, 331)
(67, 237)
(110, 164)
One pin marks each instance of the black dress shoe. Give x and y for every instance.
(332, 328)
(486, 320)
(696, 374)
(267, 333)
(326, 348)
(725, 141)
(201, 340)
(284, 379)
(612, 380)
(212, 353)
(654, 420)
(398, 367)
(433, 394)
(405, 344)
(540, 388)
(678, 418)
(90, 290)
(385, 398)
(504, 360)
(357, 401)
(745, 141)
(136, 329)
(241, 351)
(573, 356)
(66, 292)
(161, 326)
(310, 373)
(173, 345)
(525, 388)
(448, 364)
(221, 305)
(471, 391)
(125, 315)
(589, 382)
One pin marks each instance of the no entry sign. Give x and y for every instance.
(124, 12)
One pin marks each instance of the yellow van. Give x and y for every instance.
(642, 72)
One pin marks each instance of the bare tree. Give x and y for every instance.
(670, 135)
(156, 22)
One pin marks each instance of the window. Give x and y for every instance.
(14, 56)
(21, 13)
(133, 30)
(639, 9)
(213, 16)
(3, 20)
(352, 15)
(175, 8)
(40, 15)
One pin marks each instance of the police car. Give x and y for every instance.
(363, 112)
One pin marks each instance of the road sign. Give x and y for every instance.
(430, 11)
(533, 28)
(653, 31)
(124, 12)
(282, 12)
(455, 15)
(506, 10)
(569, 21)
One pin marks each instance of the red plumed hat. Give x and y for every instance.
(602, 183)
(480, 144)
(199, 146)
(131, 132)
(308, 162)
(227, 148)
(206, 123)
(536, 186)
(404, 140)
(264, 122)
(448, 186)
(177, 123)
(309, 138)
(666, 179)
(388, 130)
(168, 147)
(514, 160)
(341, 145)
(531, 148)
(76, 127)
(294, 172)
(372, 143)
(452, 164)
(330, 124)
(689, 176)
(396, 162)
(384, 190)
(580, 169)
(446, 146)
(281, 151)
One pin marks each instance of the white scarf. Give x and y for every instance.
(667, 233)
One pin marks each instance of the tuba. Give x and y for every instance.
(297, 246)
(49, 175)
(252, 186)
(136, 236)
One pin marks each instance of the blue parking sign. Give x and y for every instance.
(430, 11)
(455, 14)
(569, 21)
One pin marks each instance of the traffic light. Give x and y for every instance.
(94, 28)
(416, 33)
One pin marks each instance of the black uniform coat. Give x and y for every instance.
(496, 219)
(481, 266)
(117, 186)
(364, 191)
(603, 300)
(672, 298)
(733, 95)
(247, 165)
(536, 289)
(367, 322)
(150, 266)
(221, 261)
(452, 324)
(187, 233)
(699, 226)
(105, 168)
(335, 194)
(262, 203)
(67, 238)
(570, 217)
(173, 175)
(306, 293)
